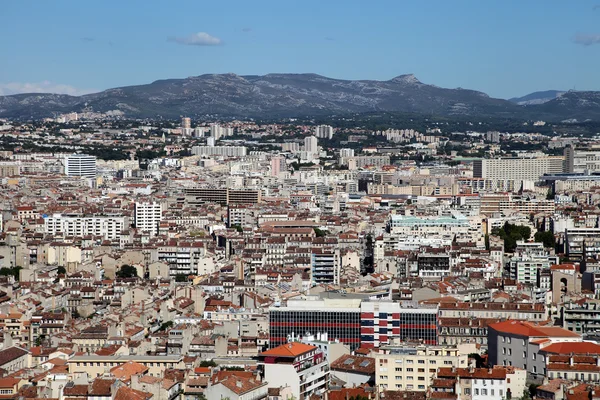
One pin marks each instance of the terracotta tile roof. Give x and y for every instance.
(293, 349)
(125, 393)
(524, 328)
(124, 371)
(241, 385)
(572, 348)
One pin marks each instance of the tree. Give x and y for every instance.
(61, 270)
(208, 363)
(181, 278)
(320, 232)
(511, 234)
(127, 271)
(547, 238)
(238, 228)
(165, 326)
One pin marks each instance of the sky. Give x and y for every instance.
(504, 48)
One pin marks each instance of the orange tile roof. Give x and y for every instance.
(124, 371)
(573, 347)
(293, 349)
(524, 328)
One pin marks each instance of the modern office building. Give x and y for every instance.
(353, 321)
(80, 165)
(338, 318)
(223, 196)
(381, 322)
(526, 169)
(148, 216)
(225, 151)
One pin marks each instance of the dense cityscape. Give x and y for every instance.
(205, 259)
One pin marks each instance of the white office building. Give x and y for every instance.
(80, 165)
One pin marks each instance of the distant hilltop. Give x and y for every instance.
(300, 95)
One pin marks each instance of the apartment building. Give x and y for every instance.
(412, 368)
(325, 265)
(581, 160)
(518, 344)
(148, 216)
(495, 383)
(80, 165)
(94, 365)
(107, 226)
(357, 162)
(524, 169)
(224, 151)
(300, 366)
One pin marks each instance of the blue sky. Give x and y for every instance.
(502, 47)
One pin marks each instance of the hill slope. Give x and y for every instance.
(289, 95)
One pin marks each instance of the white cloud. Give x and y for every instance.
(197, 39)
(586, 39)
(39, 87)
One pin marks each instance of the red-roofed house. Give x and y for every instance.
(518, 344)
(300, 366)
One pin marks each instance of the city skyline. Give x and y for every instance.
(504, 49)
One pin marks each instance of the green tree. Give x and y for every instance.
(61, 270)
(547, 238)
(208, 363)
(320, 232)
(237, 227)
(511, 234)
(127, 271)
(165, 326)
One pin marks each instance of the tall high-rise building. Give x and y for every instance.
(80, 165)
(277, 165)
(324, 131)
(346, 153)
(311, 144)
(186, 123)
(148, 216)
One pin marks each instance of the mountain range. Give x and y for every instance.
(300, 95)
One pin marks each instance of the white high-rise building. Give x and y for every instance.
(277, 165)
(148, 216)
(80, 165)
(346, 153)
(186, 123)
(324, 131)
(199, 132)
(311, 144)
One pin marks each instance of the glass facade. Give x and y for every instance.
(342, 325)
